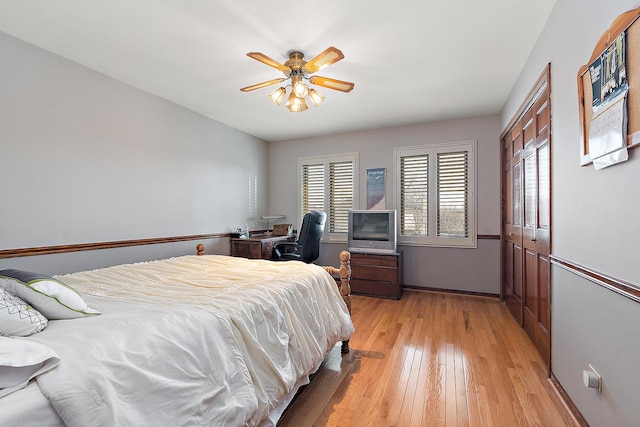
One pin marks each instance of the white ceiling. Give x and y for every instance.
(411, 60)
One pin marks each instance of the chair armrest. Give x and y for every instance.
(285, 250)
(290, 256)
(287, 246)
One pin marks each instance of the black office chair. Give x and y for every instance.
(307, 248)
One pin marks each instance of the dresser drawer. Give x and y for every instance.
(374, 260)
(376, 289)
(385, 274)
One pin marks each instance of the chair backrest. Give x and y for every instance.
(310, 235)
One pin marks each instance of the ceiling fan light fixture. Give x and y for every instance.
(316, 97)
(292, 97)
(298, 70)
(300, 89)
(298, 108)
(278, 95)
(296, 104)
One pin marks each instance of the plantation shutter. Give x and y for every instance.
(414, 195)
(340, 195)
(453, 194)
(312, 188)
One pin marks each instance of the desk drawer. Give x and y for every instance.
(267, 249)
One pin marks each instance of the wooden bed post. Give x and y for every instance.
(345, 286)
(200, 249)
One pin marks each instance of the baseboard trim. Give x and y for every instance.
(580, 420)
(451, 291)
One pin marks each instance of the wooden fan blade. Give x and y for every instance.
(331, 83)
(263, 84)
(266, 60)
(330, 56)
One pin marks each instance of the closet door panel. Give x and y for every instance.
(512, 223)
(530, 188)
(543, 230)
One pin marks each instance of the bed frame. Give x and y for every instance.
(344, 272)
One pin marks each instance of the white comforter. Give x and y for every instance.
(194, 340)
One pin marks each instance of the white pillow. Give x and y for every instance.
(17, 317)
(22, 360)
(51, 297)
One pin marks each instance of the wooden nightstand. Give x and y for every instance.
(378, 275)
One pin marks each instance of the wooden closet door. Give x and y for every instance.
(526, 219)
(535, 239)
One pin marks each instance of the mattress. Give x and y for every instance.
(194, 340)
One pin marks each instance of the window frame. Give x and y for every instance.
(326, 160)
(432, 150)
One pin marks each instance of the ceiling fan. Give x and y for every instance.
(299, 70)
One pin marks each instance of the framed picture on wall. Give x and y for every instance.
(375, 188)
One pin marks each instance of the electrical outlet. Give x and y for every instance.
(591, 378)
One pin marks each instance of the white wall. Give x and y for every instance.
(593, 221)
(423, 266)
(86, 158)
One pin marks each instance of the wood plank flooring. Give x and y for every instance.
(431, 359)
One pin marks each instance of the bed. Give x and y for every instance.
(191, 340)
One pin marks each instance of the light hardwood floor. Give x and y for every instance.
(431, 359)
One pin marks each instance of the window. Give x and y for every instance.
(435, 194)
(328, 183)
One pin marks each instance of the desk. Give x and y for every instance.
(257, 247)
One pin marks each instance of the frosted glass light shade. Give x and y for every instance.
(316, 97)
(300, 89)
(278, 95)
(296, 104)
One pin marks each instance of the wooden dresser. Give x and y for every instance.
(377, 275)
(258, 246)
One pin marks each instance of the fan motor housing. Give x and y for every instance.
(296, 60)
